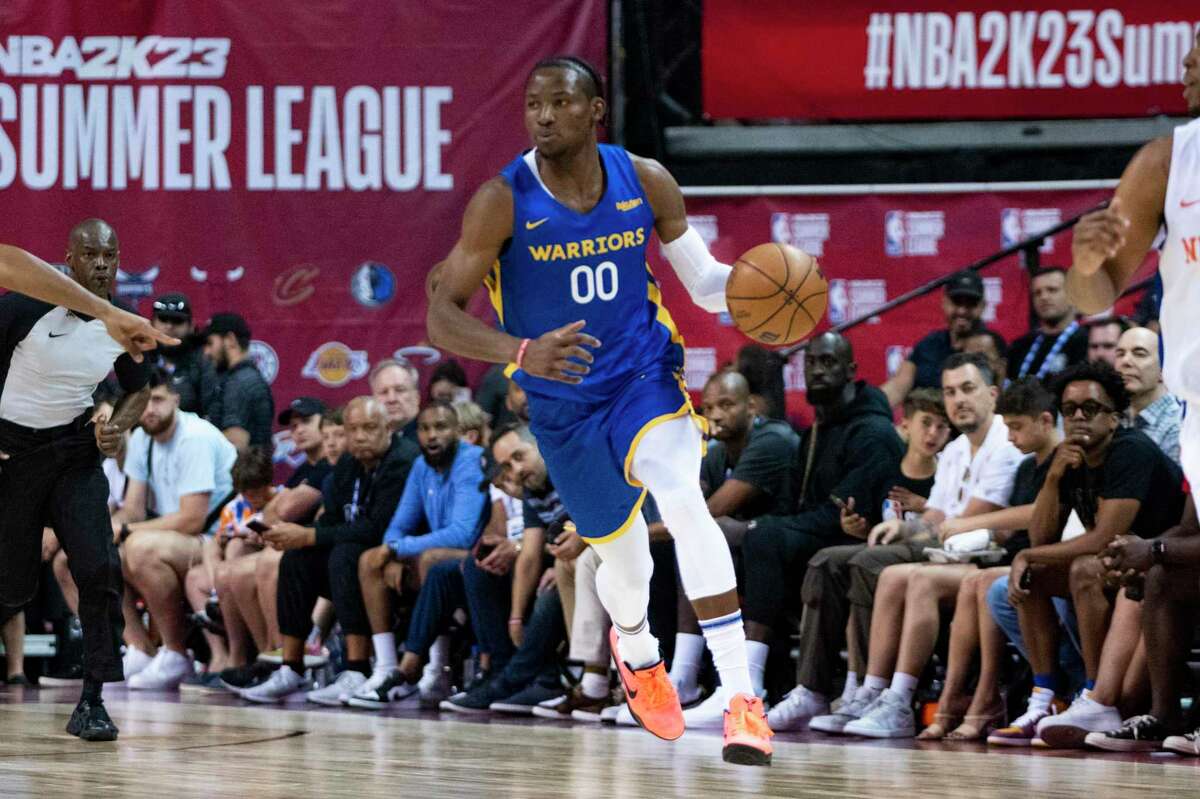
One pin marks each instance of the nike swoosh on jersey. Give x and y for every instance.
(58, 335)
(1188, 203)
(530, 225)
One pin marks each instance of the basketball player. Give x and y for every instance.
(560, 237)
(1160, 189)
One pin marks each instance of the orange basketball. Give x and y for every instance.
(776, 294)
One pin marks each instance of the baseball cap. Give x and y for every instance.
(490, 468)
(301, 406)
(173, 306)
(965, 284)
(223, 323)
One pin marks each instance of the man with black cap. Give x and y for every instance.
(244, 406)
(302, 496)
(192, 374)
(963, 305)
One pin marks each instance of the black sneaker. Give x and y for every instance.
(478, 700)
(18, 679)
(90, 722)
(524, 701)
(1137, 734)
(382, 690)
(248, 676)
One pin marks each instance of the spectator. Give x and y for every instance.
(193, 374)
(333, 435)
(301, 498)
(838, 456)
(178, 467)
(1171, 568)
(1118, 482)
(473, 427)
(1152, 409)
(442, 495)
(448, 383)
(244, 407)
(492, 396)
(322, 560)
(1103, 335)
(974, 475)
(517, 403)
(396, 384)
(963, 305)
(746, 473)
(1059, 340)
(252, 476)
(763, 370)
(992, 346)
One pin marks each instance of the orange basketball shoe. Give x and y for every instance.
(651, 695)
(747, 735)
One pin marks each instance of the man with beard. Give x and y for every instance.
(322, 560)
(244, 407)
(963, 305)
(746, 473)
(838, 457)
(1119, 483)
(52, 360)
(443, 496)
(192, 373)
(1059, 340)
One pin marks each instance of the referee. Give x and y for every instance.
(51, 360)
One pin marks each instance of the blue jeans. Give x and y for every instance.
(441, 594)
(489, 599)
(1005, 616)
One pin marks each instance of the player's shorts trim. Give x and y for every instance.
(684, 410)
(624, 528)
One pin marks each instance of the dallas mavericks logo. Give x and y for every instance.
(372, 284)
(839, 302)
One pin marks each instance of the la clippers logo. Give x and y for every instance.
(1191, 248)
(295, 285)
(133, 286)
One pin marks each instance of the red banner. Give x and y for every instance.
(931, 59)
(302, 164)
(873, 248)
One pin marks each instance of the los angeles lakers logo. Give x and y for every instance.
(333, 364)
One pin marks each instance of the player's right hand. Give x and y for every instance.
(1097, 237)
(853, 524)
(557, 355)
(134, 333)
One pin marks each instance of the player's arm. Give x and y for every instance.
(898, 385)
(25, 273)
(1108, 246)
(487, 225)
(703, 276)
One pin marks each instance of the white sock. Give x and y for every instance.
(905, 685)
(873, 683)
(439, 653)
(866, 693)
(594, 686)
(385, 651)
(1041, 698)
(756, 661)
(685, 666)
(637, 647)
(851, 686)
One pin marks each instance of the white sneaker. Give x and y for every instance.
(434, 686)
(609, 714)
(384, 689)
(850, 710)
(796, 709)
(688, 694)
(709, 714)
(1068, 729)
(283, 684)
(625, 717)
(134, 660)
(338, 692)
(889, 717)
(163, 673)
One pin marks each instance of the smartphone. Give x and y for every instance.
(836, 500)
(1026, 579)
(257, 526)
(484, 550)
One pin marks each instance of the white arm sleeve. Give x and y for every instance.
(702, 275)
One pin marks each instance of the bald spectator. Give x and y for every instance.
(1152, 409)
(397, 385)
(1103, 335)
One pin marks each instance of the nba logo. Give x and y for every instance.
(781, 230)
(839, 302)
(895, 359)
(1010, 227)
(893, 233)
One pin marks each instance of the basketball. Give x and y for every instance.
(776, 294)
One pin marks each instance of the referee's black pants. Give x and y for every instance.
(53, 478)
(329, 571)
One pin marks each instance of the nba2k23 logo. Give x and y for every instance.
(1076, 49)
(913, 232)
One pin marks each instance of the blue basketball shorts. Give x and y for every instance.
(589, 448)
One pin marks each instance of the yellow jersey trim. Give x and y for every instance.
(624, 528)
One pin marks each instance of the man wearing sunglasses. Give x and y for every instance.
(193, 376)
(1119, 483)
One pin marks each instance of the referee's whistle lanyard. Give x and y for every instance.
(353, 508)
(1059, 343)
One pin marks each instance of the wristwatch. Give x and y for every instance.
(1158, 551)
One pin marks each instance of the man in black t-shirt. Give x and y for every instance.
(1059, 340)
(193, 375)
(244, 406)
(1118, 482)
(302, 497)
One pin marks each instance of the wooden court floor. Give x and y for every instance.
(175, 747)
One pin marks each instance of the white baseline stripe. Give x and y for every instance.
(895, 188)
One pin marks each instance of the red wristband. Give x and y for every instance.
(521, 352)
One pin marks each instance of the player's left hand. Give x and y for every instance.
(287, 535)
(134, 333)
(108, 436)
(557, 355)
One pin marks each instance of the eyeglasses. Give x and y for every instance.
(1090, 409)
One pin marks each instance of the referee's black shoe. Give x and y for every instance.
(91, 722)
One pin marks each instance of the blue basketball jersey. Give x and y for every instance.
(562, 266)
